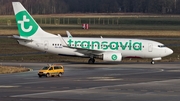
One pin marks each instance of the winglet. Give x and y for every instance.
(68, 34)
(62, 40)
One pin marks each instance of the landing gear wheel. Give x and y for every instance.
(152, 62)
(91, 61)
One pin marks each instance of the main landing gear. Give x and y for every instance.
(91, 61)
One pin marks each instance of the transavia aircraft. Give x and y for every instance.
(108, 49)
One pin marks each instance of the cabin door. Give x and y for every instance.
(46, 45)
(150, 47)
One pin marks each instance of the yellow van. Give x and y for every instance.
(51, 70)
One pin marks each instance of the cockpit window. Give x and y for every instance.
(161, 46)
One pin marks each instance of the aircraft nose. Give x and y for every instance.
(169, 51)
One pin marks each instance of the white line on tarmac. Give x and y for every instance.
(3, 86)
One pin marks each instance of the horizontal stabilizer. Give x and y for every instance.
(20, 38)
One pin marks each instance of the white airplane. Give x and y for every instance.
(107, 49)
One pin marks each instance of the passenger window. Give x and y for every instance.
(51, 68)
(60, 67)
(56, 67)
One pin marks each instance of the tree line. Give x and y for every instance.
(94, 6)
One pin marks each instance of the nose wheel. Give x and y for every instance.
(152, 62)
(91, 61)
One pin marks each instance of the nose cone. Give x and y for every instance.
(169, 51)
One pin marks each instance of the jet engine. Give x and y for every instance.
(112, 56)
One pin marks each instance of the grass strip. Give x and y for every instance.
(11, 69)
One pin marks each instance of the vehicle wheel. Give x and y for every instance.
(60, 74)
(48, 75)
(40, 76)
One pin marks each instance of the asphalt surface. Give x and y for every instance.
(98, 82)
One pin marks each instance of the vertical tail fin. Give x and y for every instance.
(27, 26)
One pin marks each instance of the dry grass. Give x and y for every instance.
(97, 15)
(8, 32)
(10, 69)
(125, 32)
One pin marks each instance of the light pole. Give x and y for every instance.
(175, 4)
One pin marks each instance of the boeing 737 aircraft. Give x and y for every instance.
(107, 49)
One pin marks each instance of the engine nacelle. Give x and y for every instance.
(112, 56)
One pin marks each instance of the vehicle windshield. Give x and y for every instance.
(45, 68)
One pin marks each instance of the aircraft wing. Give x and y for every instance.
(82, 50)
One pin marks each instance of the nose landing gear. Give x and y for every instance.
(152, 62)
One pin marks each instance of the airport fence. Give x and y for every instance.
(99, 20)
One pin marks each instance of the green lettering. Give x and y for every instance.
(115, 44)
(76, 43)
(85, 44)
(95, 43)
(70, 41)
(123, 46)
(104, 45)
(137, 46)
(130, 44)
